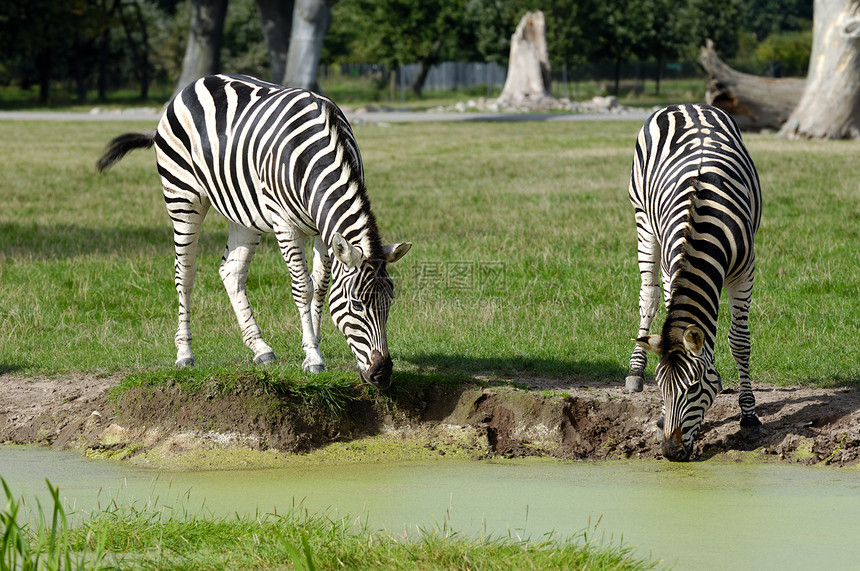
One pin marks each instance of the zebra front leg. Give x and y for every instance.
(740, 294)
(292, 244)
(320, 278)
(241, 245)
(186, 232)
(649, 299)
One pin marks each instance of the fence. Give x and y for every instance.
(456, 76)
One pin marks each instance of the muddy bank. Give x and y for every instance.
(551, 418)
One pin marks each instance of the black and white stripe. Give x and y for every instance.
(697, 205)
(282, 160)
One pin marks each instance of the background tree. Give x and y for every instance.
(203, 50)
(830, 105)
(399, 32)
(310, 22)
(276, 17)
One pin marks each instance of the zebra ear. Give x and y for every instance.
(694, 339)
(650, 343)
(394, 252)
(349, 255)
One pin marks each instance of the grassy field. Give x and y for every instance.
(523, 260)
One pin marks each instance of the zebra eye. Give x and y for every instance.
(356, 305)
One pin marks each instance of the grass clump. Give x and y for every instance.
(163, 537)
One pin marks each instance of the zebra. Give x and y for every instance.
(697, 202)
(283, 160)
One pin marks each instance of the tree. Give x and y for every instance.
(276, 18)
(528, 67)
(398, 32)
(311, 19)
(203, 51)
(830, 105)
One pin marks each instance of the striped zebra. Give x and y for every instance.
(282, 160)
(697, 202)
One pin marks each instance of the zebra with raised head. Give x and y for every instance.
(697, 202)
(282, 160)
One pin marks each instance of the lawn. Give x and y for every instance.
(523, 264)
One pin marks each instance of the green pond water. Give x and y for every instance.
(689, 516)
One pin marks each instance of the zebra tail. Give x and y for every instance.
(121, 146)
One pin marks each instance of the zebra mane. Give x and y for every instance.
(682, 266)
(339, 124)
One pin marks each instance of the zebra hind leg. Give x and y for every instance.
(241, 245)
(739, 295)
(186, 233)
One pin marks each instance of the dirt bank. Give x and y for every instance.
(552, 418)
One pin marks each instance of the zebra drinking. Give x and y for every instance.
(282, 160)
(697, 202)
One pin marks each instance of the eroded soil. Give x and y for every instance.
(553, 418)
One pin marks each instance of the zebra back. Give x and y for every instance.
(263, 152)
(696, 182)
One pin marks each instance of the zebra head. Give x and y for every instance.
(688, 383)
(361, 295)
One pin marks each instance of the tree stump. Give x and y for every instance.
(830, 105)
(754, 102)
(528, 80)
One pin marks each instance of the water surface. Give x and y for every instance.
(690, 516)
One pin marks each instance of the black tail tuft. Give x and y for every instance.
(121, 146)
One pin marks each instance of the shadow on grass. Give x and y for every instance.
(10, 367)
(55, 242)
(521, 366)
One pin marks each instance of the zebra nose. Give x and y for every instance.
(674, 449)
(378, 373)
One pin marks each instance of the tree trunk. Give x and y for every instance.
(424, 68)
(203, 52)
(311, 19)
(527, 84)
(43, 67)
(830, 105)
(276, 17)
(754, 102)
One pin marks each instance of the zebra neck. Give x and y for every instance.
(349, 215)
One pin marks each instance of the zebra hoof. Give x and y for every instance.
(184, 362)
(265, 359)
(750, 428)
(634, 384)
(315, 368)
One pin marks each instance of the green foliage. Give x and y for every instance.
(396, 32)
(791, 49)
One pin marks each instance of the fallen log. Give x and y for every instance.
(753, 101)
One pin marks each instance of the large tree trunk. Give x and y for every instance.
(276, 17)
(830, 106)
(527, 84)
(754, 102)
(311, 19)
(203, 53)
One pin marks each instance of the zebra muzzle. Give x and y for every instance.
(673, 447)
(379, 372)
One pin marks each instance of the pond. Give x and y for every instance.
(689, 516)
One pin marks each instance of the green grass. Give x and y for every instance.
(156, 536)
(523, 261)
